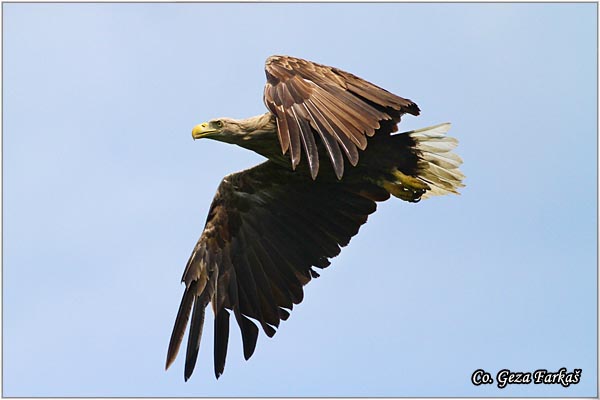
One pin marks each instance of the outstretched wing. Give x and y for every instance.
(267, 229)
(310, 99)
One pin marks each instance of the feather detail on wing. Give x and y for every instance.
(267, 229)
(341, 109)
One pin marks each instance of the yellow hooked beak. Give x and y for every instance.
(202, 130)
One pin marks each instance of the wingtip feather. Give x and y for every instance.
(181, 322)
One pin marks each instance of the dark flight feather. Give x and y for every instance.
(196, 327)
(181, 322)
(221, 340)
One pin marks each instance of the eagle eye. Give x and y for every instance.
(218, 124)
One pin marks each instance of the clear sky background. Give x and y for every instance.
(105, 194)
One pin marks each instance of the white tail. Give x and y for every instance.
(438, 166)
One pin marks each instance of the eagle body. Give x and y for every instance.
(332, 154)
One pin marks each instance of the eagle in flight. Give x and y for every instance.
(331, 155)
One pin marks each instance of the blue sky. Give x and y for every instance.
(105, 194)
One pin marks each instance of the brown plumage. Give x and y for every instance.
(341, 108)
(270, 226)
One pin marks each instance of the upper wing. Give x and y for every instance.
(266, 229)
(342, 109)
